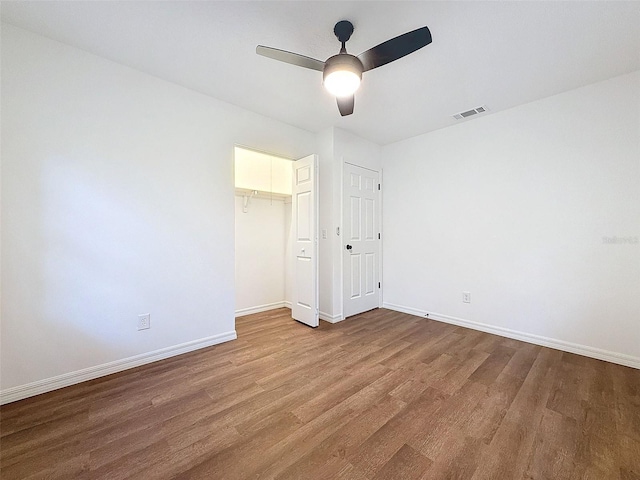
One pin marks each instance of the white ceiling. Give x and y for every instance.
(501, 54)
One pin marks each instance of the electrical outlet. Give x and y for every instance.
(466, 297)
(144, 321)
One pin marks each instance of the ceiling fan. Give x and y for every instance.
(342, 73)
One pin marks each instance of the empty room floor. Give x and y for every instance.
(382, 395)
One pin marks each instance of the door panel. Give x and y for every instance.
(355, 264)
(362, 260)
(370, 271)
(355, 219)
(369, 215)
(304, 272)
(304, 302)
(303, 217)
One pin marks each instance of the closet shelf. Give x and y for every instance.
(242, 192)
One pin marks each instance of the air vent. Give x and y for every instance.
(470, 113)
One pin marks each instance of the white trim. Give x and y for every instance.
(60, 381)
(403, 309)
(585, 350)
(331, 318)
(340, 221)
(287, 304)
(261, 308)
(380, 259)
(359, 166)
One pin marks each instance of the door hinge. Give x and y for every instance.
(379, 285)
(378, 186)
(378, 236)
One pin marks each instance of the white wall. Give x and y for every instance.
(117, 199)
(327, 223)
(261, 239)
(513, 207)
(356, 150)
(288, 253)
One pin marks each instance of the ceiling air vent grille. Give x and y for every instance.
(470, 113)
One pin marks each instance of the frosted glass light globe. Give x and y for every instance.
(342, 83)
(342, 74)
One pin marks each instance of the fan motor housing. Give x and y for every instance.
(342, 61)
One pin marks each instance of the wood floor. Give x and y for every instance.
(383, 395)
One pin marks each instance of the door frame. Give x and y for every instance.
(341, 243)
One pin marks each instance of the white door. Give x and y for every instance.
(304, 226)
(361, 239)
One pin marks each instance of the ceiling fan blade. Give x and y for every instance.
(395, 48)
(345, 105)
(289, 57)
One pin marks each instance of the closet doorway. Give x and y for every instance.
(275, 234)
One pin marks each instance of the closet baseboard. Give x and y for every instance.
(262, 308)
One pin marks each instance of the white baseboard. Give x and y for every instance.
(331, 318)
(600, 354)
(48, 384)
(287, 304)
(262, 308)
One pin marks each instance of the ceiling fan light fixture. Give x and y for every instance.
(342, 75)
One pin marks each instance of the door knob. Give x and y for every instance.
(349, 247)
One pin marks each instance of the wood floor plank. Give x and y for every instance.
(509, 451)
(570, 389)
(382, 395)
(344, 441)
(406, 464)
(463, 368)
(374, 453)
(185, 452)
(447, 420)
(338, 392)
(286, 452)
(240, 459)
(629, 458)
(554, 447)
(461, 460)
(493, 365)
(489, 412)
